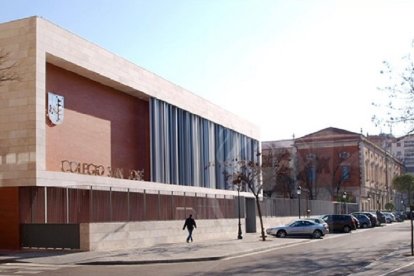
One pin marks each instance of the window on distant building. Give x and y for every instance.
(311, 174)
(346, 172)
(408, 143)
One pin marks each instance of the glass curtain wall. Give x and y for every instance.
(187, 149)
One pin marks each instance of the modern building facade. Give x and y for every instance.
(339, 165)
(403, 149)
(89, 137)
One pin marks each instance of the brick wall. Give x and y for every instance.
(101, 125)
(9, 218)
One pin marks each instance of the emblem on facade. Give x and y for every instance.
(55, 105)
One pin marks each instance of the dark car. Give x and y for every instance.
(399, 216)
(364, 220)
(373, 218)
(340, 223)
(381, 217)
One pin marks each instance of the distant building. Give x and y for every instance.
(333, 163)
(403, 149)
(383, 140)
(278, 168)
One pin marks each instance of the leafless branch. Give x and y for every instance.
(7, 72)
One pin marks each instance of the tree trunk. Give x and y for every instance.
(411, 222)
(259, 210)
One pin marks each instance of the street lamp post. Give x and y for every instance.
(344, 198)
(299, 191)
(239, 235)
(369, 202)
(237, 181)
(379, 201)
(402, 206)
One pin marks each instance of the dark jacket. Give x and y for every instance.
(190, 224)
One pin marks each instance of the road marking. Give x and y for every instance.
(276, 247)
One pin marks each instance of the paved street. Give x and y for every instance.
(379, 251)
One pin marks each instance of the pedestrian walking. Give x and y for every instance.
(190, 224)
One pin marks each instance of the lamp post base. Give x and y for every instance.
(239, 236)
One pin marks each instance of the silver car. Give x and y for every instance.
(321, 221)
(301, 227)
(389, 217)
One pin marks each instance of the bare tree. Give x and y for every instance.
(246, 173)
(399, 89)
(277, 172)
(343, 165)
(6, 68)
(317, 171)
(309, 168)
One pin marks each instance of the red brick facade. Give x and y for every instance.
(332, 173)
(101, 125)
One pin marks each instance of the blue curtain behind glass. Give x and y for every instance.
(187, 149)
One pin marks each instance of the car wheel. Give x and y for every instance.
(317, 234)
(281, 234)
(364, 225)
(347, 229)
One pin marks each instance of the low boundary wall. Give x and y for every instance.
(109, 236)
(106, 236)
(123, 235)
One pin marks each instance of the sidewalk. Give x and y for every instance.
(162, 253)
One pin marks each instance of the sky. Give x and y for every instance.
(291, 67)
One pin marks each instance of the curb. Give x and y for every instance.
(10, 260)
(183, 260)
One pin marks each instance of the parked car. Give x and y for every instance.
(301, 227)
(364, 220)
(399, 216)
(372, 217)
(319, 220)
(341, 223)
(389, 217)
(381, 217)
(356, 221)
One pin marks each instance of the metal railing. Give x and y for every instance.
(108, 204)
(273, 207)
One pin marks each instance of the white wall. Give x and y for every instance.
(123, 235)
